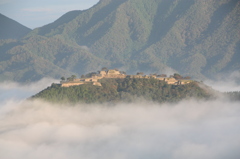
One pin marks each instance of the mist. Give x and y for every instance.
(190, 129)
(226, 82)
(15, 91)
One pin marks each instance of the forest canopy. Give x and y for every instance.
(123, 90)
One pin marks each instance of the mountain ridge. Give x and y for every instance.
(195, 38)
(11, 29)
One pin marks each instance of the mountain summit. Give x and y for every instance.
(10, 29)
(192, 37)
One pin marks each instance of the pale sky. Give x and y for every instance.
(36, 13)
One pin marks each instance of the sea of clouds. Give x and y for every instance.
(190, 129)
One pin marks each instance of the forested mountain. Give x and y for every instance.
(10, 29)
(124, 90)
(199, 38)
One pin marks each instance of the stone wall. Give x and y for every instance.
(116, 74)
(68, 84)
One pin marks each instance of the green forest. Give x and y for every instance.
(123, 90)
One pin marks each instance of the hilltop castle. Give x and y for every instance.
(94, 79)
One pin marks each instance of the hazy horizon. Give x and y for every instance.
(34, 14)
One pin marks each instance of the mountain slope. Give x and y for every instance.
(37, 57)
(123, 90)
(10, 29)
(192, 37)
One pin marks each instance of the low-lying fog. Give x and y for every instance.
(186, 130)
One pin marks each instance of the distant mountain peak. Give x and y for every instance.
(11, 29)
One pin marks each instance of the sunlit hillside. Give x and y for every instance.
(191, 37)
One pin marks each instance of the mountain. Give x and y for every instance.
(191, 37)
(233, 96)
(123, 90)
(10, 29)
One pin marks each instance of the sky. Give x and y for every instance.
(37, 13)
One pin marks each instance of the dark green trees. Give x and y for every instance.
(124, 90)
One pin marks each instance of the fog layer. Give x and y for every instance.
(16, 91)
(187, 130)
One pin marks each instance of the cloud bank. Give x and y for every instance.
(187, 130)
(11, 91)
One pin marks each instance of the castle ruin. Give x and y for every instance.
(94, 80)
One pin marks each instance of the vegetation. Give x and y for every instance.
(234, 96)
(122, 90)
(193, 37)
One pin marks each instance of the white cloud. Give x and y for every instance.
(15, 91)
(190, 129)
(186, 130)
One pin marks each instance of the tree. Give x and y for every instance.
(73, 77)
(140, 73)
(82, 76)
(89, 75)
(63, 78)
(104, 69)
(163, 75)
(187, 77)
(177, 76)
(123, 72)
